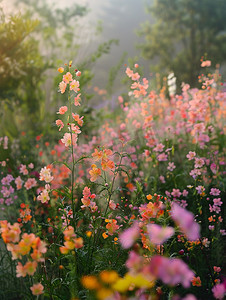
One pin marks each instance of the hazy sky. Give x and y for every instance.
(120, 19)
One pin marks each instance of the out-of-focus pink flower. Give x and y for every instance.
(215, 192)
(171, 271)
(158, 234)
(219, 290)
(185, 220)
(134, 261)
(129, 236)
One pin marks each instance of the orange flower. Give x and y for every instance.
(95, 173)
(112, 226)
(30, 267)
(90, 282)
(196, 281)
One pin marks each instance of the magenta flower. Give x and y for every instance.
(219, 290)
(185, 220)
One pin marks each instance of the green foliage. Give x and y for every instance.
(183, 32)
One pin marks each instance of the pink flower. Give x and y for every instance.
(162, 179)
(199, 162)
(176, 193)
(158, 234)
(129, 236)
(219, 290)
(62, 110)
(134, 261)
(185, 220)
(171, 166)
(159, 148)
(162, 157)
(217, 269)
(191, 155)
(30, 183)
(18, 182)
(171, 271)
(23, 170)
(217, 201)
(215, 192)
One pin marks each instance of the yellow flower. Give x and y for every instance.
(130, 282)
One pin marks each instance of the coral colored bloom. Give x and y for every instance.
(20, 270)
(62, 87)
(60, 123)
(30, 183)
(112, 226)
(77, 119)
(77, 99)
(74, 85)
(37, 289)
(62, 110)
(30, 267)
(94, 173)
(67, 77)
(18, 182)
(206, 63)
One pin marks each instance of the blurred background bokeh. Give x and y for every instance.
(100, 37)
